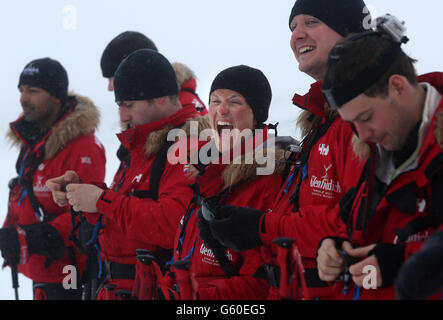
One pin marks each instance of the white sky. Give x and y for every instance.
(207, 35)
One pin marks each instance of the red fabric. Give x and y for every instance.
(206, 278)
(40, 294)
(86, 156)
(108, 292)
(133, 223)
(191, 98)
(388, 218)
(332, 169)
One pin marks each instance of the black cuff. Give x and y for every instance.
(390, 258)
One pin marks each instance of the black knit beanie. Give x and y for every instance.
(145, 74)
(47, 74)
(343, 16)
(120, 47)
(252, 84)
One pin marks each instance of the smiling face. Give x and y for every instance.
(228, 110)
(311, 42)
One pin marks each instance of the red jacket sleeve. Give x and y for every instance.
(307, 227)
(148, 220)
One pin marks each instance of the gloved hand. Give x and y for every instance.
(206, 233)
(390, 258)
(422, 275)
(43, 239)
(237, 227)
(10, 246)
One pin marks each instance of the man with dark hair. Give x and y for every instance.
(397, 204)
(54, 133)
(142, 211)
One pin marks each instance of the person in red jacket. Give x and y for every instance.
(54, 133)
(398, 204)
(240, 98)
(144, 210)
(307, 206)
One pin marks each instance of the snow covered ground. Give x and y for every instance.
(208, 36)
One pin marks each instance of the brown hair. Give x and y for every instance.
(366, 52)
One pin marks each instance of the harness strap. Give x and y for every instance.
(317, 133)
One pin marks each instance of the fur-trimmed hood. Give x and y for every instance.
(235, 174)
(83, 120)
(248, 165)
(183, 73)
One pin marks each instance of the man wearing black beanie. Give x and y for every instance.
(55, 133)
(142, 210)
(317, 25)
(119, 48)
(115, 52)
(308, 207)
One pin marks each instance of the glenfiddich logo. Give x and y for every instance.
(324, 183)
(208, 252)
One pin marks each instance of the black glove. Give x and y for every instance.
(214, 245)
(237, 227)
(43, 239)
(205, 233)
(10, 246)
(422, 275)
(390, 258)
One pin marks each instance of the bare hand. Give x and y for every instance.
(58, 186)
(83, 197)
(330, 264)
(357, 270)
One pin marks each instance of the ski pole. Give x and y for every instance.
(14, 273)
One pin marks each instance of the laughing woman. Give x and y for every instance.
(239, 104)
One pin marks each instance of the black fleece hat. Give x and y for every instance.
(120, 47)
(343, 16)
(145, 74)
(251, 83)
(47, 74)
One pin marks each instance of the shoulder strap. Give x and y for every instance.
(26, 167)
(156, 174)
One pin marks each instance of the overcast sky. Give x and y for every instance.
(207, 35)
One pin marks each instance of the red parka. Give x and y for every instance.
(70, 144)
(409, 198)
(136, 222)
(241, 186)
